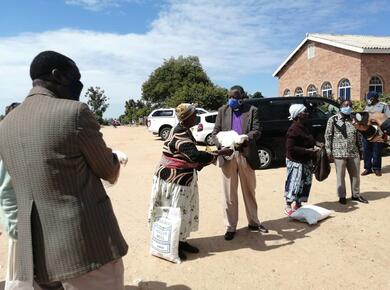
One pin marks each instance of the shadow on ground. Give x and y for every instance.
(156, 285)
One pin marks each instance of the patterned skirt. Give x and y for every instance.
(299, 179)
(174, 195)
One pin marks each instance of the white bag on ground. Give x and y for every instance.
(311, 214)
(165, 233)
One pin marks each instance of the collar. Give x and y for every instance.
(38, 90)
(343, 117)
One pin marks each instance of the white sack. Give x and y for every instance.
(165, 233)
(231, 139)
(311, 214)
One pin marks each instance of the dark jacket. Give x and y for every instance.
(298, 140)
(56, 156)
(250, 126)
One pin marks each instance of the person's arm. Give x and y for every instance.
(99, 157)
(8, 203)
(256, 128)
(386, 111)
(217, 128)
(328, 136)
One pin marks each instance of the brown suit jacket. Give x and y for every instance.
(56, 156)
(250, 126)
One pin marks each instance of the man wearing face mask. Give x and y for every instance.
(242, 118)
(68, 235)
(343, 145)
(372, 150)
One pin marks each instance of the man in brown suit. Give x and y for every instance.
(242, 118)
(68, 235)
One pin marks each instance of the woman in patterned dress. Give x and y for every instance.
(300, 153)
(175, 180)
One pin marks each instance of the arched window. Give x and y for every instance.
(344, 89)
(326, 90)
(298, 92)
(311, 91)
(286, 93)
(376, 85)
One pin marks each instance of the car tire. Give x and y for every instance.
(265, 156)
(164, 132)
(209, 140)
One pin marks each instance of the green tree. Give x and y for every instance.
(135, 110)
(97, 102)
(182, 80)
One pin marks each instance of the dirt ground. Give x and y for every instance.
(350, 250)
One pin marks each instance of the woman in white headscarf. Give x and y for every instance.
(300, 153)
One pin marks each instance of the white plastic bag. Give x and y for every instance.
(165, 233)
(231, 138)
(311, 214)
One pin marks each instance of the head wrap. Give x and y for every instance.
(295, 110)
(184, 111)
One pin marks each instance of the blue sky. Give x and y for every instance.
(118, 43)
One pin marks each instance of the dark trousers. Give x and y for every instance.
(372, 155)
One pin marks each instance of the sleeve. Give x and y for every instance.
(328, 136)
(295, 151)
(192, 154)
(217, 128)
(99, 157)
(386, 126)
(386, 110)
(359, 141)
(256, 128)
(8, 206)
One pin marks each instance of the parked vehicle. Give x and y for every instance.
(161, 121)
(273, 115)
(205, 125)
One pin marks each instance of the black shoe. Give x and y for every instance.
(258, 228)
(378, 172)
(229, 236)
(359, 199)
(186, 247)
(366, 172)
(342, 200)
(182, 255)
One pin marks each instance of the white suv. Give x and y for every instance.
(161, 121)
(202, 131)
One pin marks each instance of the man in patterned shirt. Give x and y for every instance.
(343, 145)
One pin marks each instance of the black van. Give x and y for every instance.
(273, 115)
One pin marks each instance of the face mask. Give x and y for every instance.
(346, 110)
(234, 103)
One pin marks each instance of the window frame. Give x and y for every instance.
(298, 94)
(375, 85)
(327, 90)
(347, 89)
(312, 91)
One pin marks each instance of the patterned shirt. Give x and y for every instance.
(342, 140)
(378, 107)
(181, 145)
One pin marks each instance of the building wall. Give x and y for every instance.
(329, 64)
(375, 64)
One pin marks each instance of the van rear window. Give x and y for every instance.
(163, 113)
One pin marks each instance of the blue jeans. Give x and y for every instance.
(372, 155)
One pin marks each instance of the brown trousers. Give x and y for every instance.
(232, 170)
(108, 276)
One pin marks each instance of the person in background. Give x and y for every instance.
(372, 150)
(343, 144)
(68, 235)
(300, 154)
(175, 182)
(8, 216)
(242, 118)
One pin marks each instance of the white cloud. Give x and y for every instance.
(232, 39)
(97, 5)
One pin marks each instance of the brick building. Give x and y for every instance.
(337, 66)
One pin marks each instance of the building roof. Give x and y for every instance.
(356, 43)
